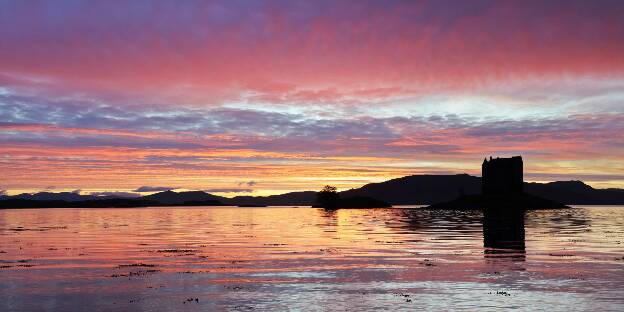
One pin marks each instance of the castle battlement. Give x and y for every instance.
(502, 176)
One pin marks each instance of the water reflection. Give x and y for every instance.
(504, 235)
(442, 221)
(503, 232)
(266, 259)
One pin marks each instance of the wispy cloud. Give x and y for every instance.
(229, 190)
(334, 91)
(116, 194)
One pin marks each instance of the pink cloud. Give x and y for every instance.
(291, 55)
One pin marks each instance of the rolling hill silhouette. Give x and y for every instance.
(180, 198)
(419, 189)
(415, 189)
(66, 196)
(576, 193)
(305, 198)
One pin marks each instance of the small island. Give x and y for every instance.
(502, 187)
(329, 198)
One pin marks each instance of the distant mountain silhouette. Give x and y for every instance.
(179, 198)
(502, 190)
(575, 193)
(415, 189)
(430, 189)
(99, 203)
(63, 200)
(305, 198)
(419, 189)
(66, 196)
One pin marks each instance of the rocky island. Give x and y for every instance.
(502, 188)
(329, 198)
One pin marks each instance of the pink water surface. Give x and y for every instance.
(286, 258)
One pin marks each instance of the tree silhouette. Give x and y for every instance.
(328, 197)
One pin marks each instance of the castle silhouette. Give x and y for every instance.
(503, 231)
(502, 190)
(502, 176)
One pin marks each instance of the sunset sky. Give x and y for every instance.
(265, 97)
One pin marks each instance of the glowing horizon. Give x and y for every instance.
(259, 98)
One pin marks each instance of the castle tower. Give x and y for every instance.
(502, 176)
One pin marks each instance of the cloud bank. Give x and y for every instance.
(147, 189)
(300, 94)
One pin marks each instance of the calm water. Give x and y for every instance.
(263, 259)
